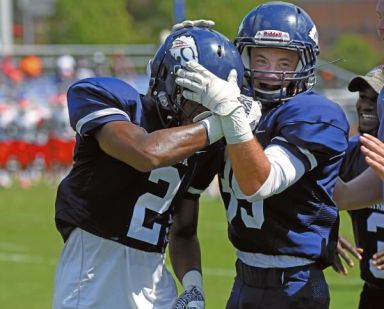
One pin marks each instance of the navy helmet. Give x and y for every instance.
(208, 47)
(280, 25)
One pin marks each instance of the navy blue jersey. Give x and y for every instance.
(302, 220)
(109, 198)
(368, 223)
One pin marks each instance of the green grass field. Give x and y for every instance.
(30, 245)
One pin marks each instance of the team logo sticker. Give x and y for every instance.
(184, 49)
(314, 35)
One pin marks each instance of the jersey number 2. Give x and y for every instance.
(155, 203)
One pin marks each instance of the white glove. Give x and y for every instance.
(239, 125)
(194, 23)
(201, 86)
(252, 110)
(193, 296)
(239, 114)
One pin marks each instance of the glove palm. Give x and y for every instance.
(201, 86)
(239, 114)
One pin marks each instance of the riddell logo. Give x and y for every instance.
(272, 34)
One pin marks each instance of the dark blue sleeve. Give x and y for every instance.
(314, 123)
(92, 102)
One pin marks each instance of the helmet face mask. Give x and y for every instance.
(279, 25)
(209, 48)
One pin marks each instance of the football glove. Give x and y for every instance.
(191, 298)
(252, 109)
(193, 23)
(202, 86)
(239, 114)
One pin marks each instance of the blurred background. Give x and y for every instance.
(45, 45)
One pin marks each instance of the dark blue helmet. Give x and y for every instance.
(286, 26)
(210, 48)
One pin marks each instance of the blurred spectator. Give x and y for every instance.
(31, 65)
(84, 69)
(66, 71)
(121, 65)
(100, 64)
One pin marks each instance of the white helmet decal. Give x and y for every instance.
(184, 49)
(313, 34)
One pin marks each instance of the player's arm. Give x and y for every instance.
(222, 97)
(360, 192)
(184, 252)
(250, 165)
(145, 151)
(92, 113)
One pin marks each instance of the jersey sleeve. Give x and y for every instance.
(94, 102)
(314, 132)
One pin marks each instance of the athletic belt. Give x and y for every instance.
(266, 277)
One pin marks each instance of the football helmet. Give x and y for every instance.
(206, 46)
(285, 26)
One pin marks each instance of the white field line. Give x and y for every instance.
(208, 271)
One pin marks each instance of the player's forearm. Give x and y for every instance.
(361, 192)
(184, 254)
(146, 151)
(250, 165)
(169, 146)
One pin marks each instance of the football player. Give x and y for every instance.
(141, 162)
(277, 183)
(367, 188)
(368, 223)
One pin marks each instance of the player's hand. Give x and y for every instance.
(344, 248)
(205, 23)
(201, 86)
(373, 150)
(191, 298)
(252, 110)
(378, 260)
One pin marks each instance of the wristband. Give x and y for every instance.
(213, 127)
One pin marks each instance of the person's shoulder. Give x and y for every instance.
(312, 99)
(103, 83)
(313, 107)
(107, 87)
